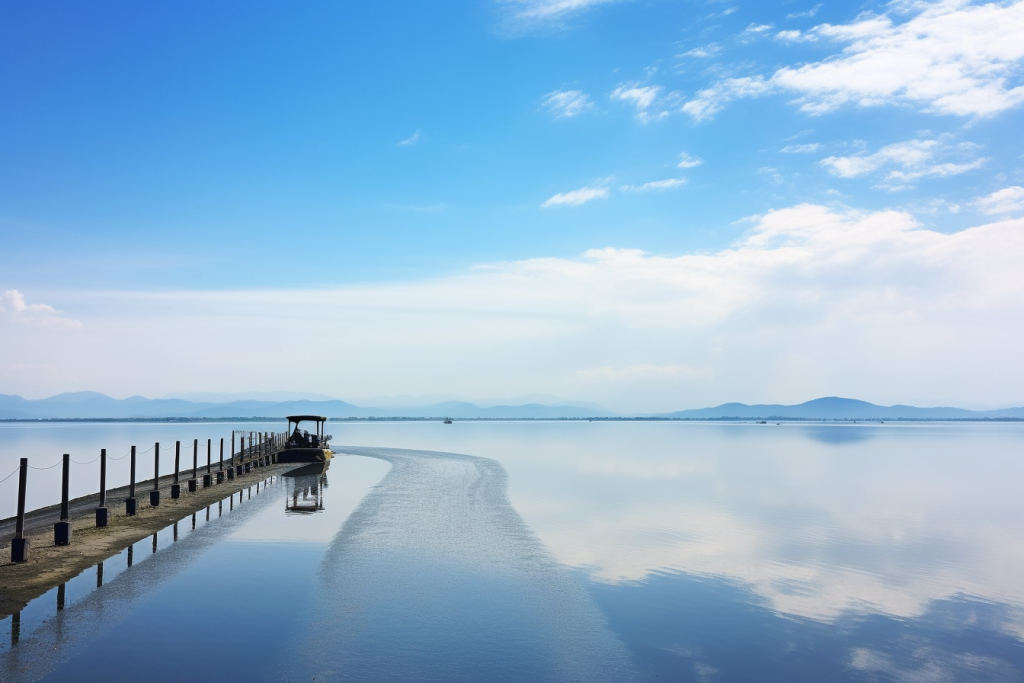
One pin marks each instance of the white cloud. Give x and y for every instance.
(703, 52)
(566, 103)
(667, 184)
(809, 13)
(531, 13)
(914, 159)
(951, 58)
(1006, 200)
(411, 140)
(795, 37)
(576, 197)
(914, 315)
(687, 161)
(710, 101)
(642, 97)
(801, 149)
(758, 29)
(14, 309)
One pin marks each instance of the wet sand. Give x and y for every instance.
(50, 565)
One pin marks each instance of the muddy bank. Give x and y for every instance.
(51, 565)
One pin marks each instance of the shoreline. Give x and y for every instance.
(648, 418)
(50, 565)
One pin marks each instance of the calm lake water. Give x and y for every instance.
(559, 551)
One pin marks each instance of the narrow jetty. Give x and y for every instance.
(44, 548)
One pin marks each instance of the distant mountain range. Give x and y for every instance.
(92, 405)
(834, 408)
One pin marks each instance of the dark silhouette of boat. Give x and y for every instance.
(303, 446)
(447, 420)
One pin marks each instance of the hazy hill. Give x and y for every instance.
(93, 405)
(834, 407)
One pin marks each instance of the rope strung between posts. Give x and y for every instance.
(10, 475)
(123, 456)
(85, 463)
(47, 468)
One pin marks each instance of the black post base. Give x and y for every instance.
(154, 498)
(192, 485)
(19, 550)
(102, 517)
(231, 473)
(129, 507)
(175, 491)
(207, 481)
(220, 477)
(62, 533)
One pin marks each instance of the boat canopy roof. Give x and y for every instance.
(306, 418)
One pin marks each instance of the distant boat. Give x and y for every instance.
(762, 422)
(447, 420)
(303, 446)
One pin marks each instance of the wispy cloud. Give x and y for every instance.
(577, 197)
(710, 101)
(14, 309)
(1006, 200)
(642, 97)
(563, 104)
(703, 52)
(801, 149)
(757, 30)
(656, 185)
(411, 140)
(796, 37)
(913, 159)
(526, 14)
(800, 15)
(687, 161)
(950, 58)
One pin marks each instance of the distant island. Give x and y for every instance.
(89, 405)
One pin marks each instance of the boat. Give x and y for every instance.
(302, 446)
(447, 420)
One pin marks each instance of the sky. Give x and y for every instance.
(649, 205)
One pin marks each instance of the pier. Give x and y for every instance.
(44, 548)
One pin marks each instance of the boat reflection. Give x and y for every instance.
(305, 489)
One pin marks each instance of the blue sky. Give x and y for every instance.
(371, 171)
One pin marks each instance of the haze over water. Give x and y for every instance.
(678, 551)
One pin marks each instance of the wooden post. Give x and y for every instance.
(101, 511)
(154, 495)
(176, 486)
(195, 466)
(129, 503)
(20, 544)
(62, 529)
(220, 467)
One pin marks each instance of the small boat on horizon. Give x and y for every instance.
(448, 421)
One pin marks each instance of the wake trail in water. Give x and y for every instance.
(435, 577)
